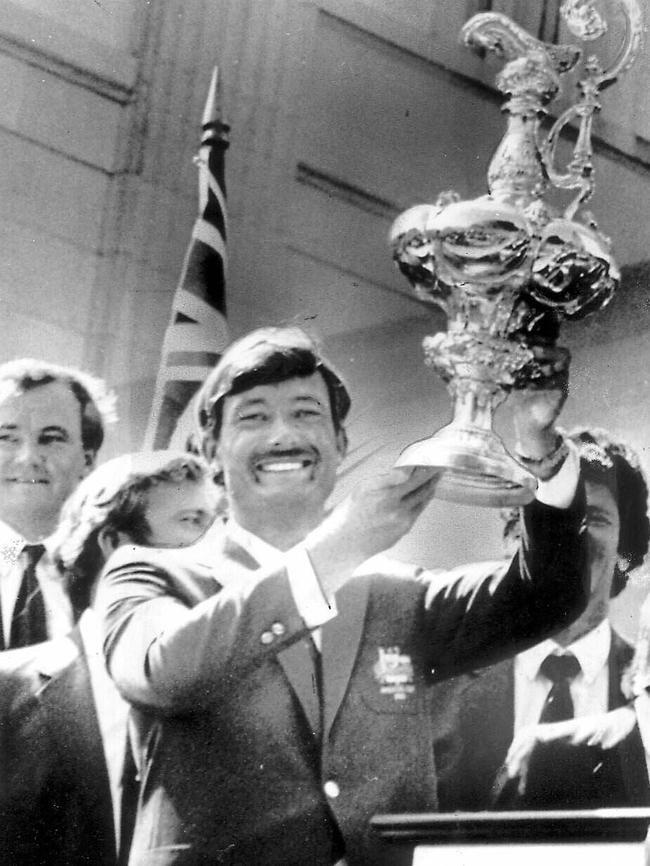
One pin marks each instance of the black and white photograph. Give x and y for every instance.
(324, 432)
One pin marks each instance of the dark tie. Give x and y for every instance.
(557, 772)
(560, 670)
(28, 624)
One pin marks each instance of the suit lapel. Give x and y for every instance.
(620, 656)
(630, 752)
(341, 638)
(296, 660)
(339, 646)
(298, 665)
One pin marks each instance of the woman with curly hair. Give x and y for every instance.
(152, 499)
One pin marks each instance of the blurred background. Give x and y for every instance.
(343, 113)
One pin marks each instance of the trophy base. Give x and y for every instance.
(475, 467)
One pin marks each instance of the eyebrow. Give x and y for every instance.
(308, 398)
(256, 402)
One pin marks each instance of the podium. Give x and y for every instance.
(553, 838)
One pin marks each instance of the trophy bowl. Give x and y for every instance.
(470, 258)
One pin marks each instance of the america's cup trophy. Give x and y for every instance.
(509, 266)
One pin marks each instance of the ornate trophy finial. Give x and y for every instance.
(507, 267)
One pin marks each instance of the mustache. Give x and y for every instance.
(287, 453)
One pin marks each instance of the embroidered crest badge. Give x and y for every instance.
(394, 673)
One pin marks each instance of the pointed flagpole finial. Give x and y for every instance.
(212, 124)
(212, 110)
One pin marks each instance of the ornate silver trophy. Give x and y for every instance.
(508, 267)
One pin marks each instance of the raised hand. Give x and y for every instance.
(537, 406)
(371, 519)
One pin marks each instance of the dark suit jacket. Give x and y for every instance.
(55, 800)
(238, 765)
(473, 745)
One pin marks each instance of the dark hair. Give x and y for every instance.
(113, 497)
(265, 357)
(610, 461)
(96, 404)
(601, 454)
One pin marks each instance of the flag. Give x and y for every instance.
(197, 333)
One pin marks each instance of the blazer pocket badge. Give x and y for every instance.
(394, 673)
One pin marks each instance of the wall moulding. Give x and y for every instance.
(347, 192)
(58, 50)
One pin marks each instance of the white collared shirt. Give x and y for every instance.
(112, 710)
(589, 690)
(58, 610)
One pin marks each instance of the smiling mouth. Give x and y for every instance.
(278, 464)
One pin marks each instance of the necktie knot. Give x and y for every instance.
(32, 554)
(560, 668)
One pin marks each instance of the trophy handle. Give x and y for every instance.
(584, 22)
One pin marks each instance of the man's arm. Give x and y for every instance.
(476, 617)
(168, 646)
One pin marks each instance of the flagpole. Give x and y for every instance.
(197, 331)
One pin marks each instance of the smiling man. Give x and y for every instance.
(281, 683)
(51, 428)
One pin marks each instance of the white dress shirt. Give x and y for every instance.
(112, 711)
(58, 610)
(590, 688)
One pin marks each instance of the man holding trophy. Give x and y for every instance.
(282, 675)
(281, 684)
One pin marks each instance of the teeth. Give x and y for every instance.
(281, 467)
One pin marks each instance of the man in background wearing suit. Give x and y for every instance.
(51, 427)
(67, 784)
(554, 727)
(281, 682)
